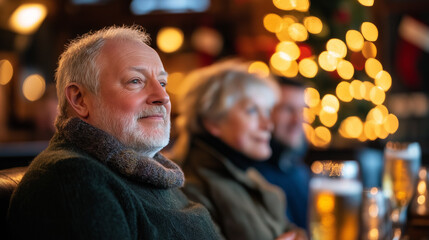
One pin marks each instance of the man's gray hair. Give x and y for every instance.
(209, 93)
(78, 62)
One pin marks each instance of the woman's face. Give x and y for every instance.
(247, 126)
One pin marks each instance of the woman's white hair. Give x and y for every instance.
(209, 93)
(77, 64)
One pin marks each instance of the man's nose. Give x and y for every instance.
(157, 94)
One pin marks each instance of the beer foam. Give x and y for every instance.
(336, 185)
(413, 152)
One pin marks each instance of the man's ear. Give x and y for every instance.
(212, 127)
(75, 95)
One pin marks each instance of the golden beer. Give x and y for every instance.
(334, 209)
(399, 177)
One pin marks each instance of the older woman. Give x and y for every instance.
(225, 121)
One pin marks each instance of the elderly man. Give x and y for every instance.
(102, 176)
(286, 168)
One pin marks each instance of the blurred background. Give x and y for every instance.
(365, 62)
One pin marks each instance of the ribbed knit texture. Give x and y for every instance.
(75, 190)
(157, 171)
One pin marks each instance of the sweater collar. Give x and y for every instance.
(237, 158)
(157, 171)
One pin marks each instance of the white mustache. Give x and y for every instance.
(156, 110)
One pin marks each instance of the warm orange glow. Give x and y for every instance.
(308, 115)
(286, 5)
(259, 68)
(302, 5)
(169, 39)
(383, 80)
(327, 61)
(311, 97)
(391, 123)
(6, 72)
(174, 82)
(28, 17)
(328, 119)
(369, 50)
(372, 67)
(366, 3)
(308, 68)
(345, 69)
(280, 61)
(298, 32)
(343, 91)
(367, 86)
(330, 103)
(369, 31)
(322, 137)
(273, 22)
(354, 40)
(353, 126)
(336, 47)
(377, 95)
(356, 89)
(292, 71)
(313, 24)
(290, 49)
(33, 87)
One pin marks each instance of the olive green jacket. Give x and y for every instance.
(243, 203)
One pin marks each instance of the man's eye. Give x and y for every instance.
(135, 81)
(163, 84)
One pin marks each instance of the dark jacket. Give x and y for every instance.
(80, 187)
(243, 204)
(286, 169)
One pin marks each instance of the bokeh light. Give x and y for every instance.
(352, 126)
(27, 17)
(6, 71)
(298, 32)
(301, 5)
(391, 123)
(372, 67)
(328, 119)
(322, 137)
(308, 115)
(369, 50)
(336, 47)
(280, 61)
(355, 89)
(273, 22)
(377, 95)
(345, 69)
(369, 31)
(354, 40)
(289, 48)
(33, 87)
(308, 68)
(383, 80)
(367, 86)
(169, 39)
(366, 3)
(284, 4)
(259, 68)
(327, 61)
(330, 103)
(343, 91)
(292, 71)
(311, 97)
(313, 24)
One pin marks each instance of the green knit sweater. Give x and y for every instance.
(81, 187)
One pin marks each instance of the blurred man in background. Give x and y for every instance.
(286, 167)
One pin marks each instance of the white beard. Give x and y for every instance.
(127, 130)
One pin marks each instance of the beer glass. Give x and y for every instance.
(335, 200)
(401, 166)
